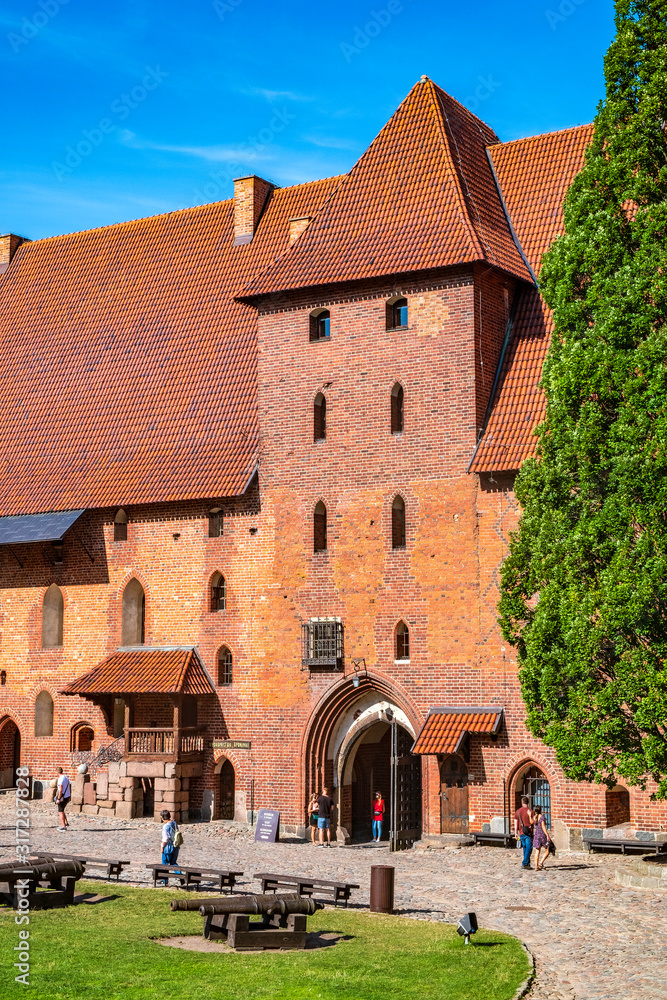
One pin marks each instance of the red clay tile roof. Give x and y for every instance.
(445, 728)
(127, 369)
(421, 196)
(534, 175)
(144, 671)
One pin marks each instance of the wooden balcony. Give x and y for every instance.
(174, 745)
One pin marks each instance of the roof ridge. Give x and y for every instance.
(164, 215)
(541, 135)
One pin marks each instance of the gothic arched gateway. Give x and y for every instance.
(354, 736)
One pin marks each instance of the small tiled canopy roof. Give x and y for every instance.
(446, 727)
(145, 670)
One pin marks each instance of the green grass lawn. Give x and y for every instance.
(104, 951)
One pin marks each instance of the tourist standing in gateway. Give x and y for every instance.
(378, 816)
(324, 807)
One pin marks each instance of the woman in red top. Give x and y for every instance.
(378, 816)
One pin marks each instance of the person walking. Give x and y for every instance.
(313, 811)
(523, 829)
(324, 809)
(169, 830)
(378, 816)
(63, 795)
(541, 838)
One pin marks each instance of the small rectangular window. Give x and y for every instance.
(322, 644)
(215, 524)
(120, 531)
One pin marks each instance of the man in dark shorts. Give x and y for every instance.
(523, 829)
(63, 795)
(325, 807)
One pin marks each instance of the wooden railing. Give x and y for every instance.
(165, 744)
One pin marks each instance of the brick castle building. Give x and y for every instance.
(258, 460)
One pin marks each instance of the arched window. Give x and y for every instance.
(402, 641)
(218, 592)
(224, 666)
(134, 614)
(398, 523)
(397, 313)
(120, 526)
(52, 618)
(319, 418)
(215, 523)
(320, 528)
(44, 714)
(397, 409)
(81, 737)
(319, 324)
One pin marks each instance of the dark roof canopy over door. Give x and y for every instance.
(25, 528)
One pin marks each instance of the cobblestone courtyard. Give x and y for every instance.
(591, 938)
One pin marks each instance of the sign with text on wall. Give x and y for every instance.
(230, 744)
(268, 826)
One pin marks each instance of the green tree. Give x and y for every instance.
(584, 588)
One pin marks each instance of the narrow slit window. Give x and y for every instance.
(397, 314)
(320, 528)
(133, 614)
(320, 418)
(397, 409)
(120, 527)
(402, 641)
(215, 523)
(320, 326)
(225, 667)
(53, 608)
(218, 592)
(398, 523)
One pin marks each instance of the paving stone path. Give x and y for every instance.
(592, 939)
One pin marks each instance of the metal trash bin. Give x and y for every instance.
(382, 888)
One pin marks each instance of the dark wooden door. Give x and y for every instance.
(453, 796)
(406, 792)
(227, 789)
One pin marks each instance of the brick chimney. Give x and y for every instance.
(297, 226)
(9, 244)
(250, 194)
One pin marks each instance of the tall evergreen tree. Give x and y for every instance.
(584, 588)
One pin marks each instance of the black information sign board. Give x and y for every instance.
(267, 829)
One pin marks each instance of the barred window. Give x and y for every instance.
(320, 528)
(402, 642)
(215, 523)
(224, 666)
(397, 409)
(218, 592)
(398, 523)
(319, 418)
(322, 644)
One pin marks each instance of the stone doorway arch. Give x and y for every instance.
(225, 789)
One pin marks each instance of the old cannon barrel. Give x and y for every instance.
(266, 905)
(40, 870)
(194, 904)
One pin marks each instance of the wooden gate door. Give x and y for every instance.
(406, 791)
(227, 789)
(453, 796)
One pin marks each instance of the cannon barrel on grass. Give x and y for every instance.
(283, 923)
(39, 884)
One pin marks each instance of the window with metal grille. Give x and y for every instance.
(397, 314)
(402, 641)
(319, 418)
(218, 592)
(397, 409)
(120, 527)
(398, 523)
(215, 523)
(320, 528)
(224, 666)
(319, 324)
(322, 644)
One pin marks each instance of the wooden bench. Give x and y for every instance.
(112, 868)
(307, 886)
(220, 879)
(607, 844)
(506, 839)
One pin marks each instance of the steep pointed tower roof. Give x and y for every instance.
(422, 196)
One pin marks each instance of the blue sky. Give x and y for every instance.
(117, 110)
